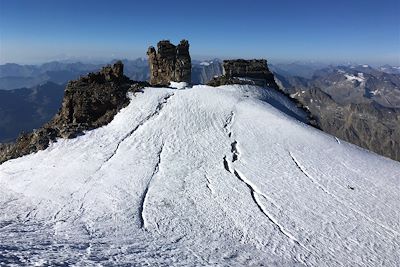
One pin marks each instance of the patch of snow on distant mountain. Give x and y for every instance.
(359, 77)
(205, 63)
(376, 92)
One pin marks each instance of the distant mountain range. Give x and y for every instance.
(349, 84)
(356, 103)
(14, 76)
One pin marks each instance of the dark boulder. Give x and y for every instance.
(92, 101)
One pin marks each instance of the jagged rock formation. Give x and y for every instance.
(368, 125)
(241, 71)
(169, 63)
(88, 103)
(93, 100)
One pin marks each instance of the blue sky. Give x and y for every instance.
(328, 31)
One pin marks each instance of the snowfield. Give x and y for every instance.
(360, 77)
(202, 176)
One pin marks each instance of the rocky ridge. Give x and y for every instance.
(88, 103)
(241, 71)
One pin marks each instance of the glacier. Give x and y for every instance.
(227, 176)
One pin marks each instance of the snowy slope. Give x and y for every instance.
(202, 176)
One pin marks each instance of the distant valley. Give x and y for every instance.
(22, 110)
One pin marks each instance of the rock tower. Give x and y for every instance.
(169, 63)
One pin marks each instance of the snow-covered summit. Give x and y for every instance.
(201, 176)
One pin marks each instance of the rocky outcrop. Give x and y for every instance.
(169, 63)
(241, 71)
(92, 101)
(88, 103)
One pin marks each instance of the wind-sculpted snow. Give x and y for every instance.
(203, 176)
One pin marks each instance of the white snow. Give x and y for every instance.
(205, 63)
(244, 79)
(375, 92)
(178, 85)
(360, 77)
(365, 66)
(203, 176)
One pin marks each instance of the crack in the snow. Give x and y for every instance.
(226, 165)
(29, 213)
(58, 212)
(157, 111)
(255, 193)
(228, 123)
(320, 186)
(144, 196)
(235, 151)
(209, 184)
(303, 170)
(34, 209)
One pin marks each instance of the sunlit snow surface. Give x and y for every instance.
(201, 176)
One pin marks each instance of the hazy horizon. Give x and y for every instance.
(103, 61)
(328, 32)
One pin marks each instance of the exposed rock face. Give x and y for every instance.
(169, 63)
(92, 101)
(88, 103)
(368, 125)
(240, 71)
